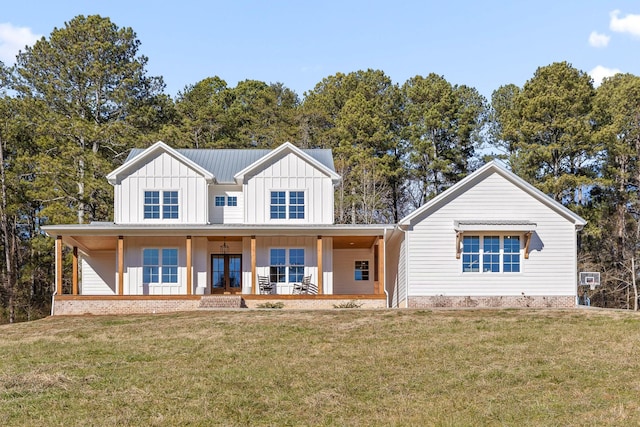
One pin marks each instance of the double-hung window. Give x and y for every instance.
(286, 265)
(296, 204)
(157, 203)
(287, 204)
(491, 254)
(160, 266)
(511, 260)
(278, 205)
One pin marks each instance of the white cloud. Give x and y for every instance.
(600, 72)
(598, 40)
(629, 24)
(13, 39)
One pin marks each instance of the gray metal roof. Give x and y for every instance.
(225, 163)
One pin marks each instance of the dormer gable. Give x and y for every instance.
(279, 153)
(157, 149)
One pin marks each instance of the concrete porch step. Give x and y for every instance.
(220, 301)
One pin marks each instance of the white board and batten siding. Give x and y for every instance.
(289, 173)
(162, 172)
(433, 268)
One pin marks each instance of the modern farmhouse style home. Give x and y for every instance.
(207, 228)
(491, 240)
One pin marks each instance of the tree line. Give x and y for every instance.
(75, 103)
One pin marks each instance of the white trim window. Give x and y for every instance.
(287, 204)
(168, 205)
(491, 254)
(361, 270)
(160, 266)
(286, 265)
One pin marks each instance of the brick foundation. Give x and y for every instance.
(524, 301)
(64, 306)
(318, 304)
(105, 305)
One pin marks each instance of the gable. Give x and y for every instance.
(280, 155)
(495, 192)
(140, 162)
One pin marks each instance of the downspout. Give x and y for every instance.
(53, 299)
(575, 262)
(384, 262)
(406, 266)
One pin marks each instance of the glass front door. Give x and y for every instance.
(226, 274)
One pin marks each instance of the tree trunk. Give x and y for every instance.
(8, 241)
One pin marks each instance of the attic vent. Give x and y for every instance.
(591, 279)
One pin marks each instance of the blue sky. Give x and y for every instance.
(483, 44)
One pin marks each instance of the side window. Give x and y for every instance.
(232, 201)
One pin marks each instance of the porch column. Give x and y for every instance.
(120, 265)
(59, 265)
(320, 271)
(381, 265)
(253, 264)
(74, 274)
(189, 244)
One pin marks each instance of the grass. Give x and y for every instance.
(333, 367)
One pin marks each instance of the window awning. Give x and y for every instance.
(495, 225)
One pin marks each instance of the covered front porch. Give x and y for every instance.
(146, 264)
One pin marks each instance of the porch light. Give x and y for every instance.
(224, 248)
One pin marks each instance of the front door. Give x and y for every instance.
(226, 274)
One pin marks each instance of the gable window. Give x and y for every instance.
(152, 204)
(219, 200)
(279, 206)
(361, 270)
(160, 266)
(232, 201)
(296, 204)
(170, 204)
(286, 265)
(491, 254)
(153, 207)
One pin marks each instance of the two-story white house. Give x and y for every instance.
(203, 227)
(229, 228)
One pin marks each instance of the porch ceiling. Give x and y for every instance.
(353, 242)
(94, 243)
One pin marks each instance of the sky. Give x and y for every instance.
(482, 44)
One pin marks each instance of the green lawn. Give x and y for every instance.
(334, 367)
